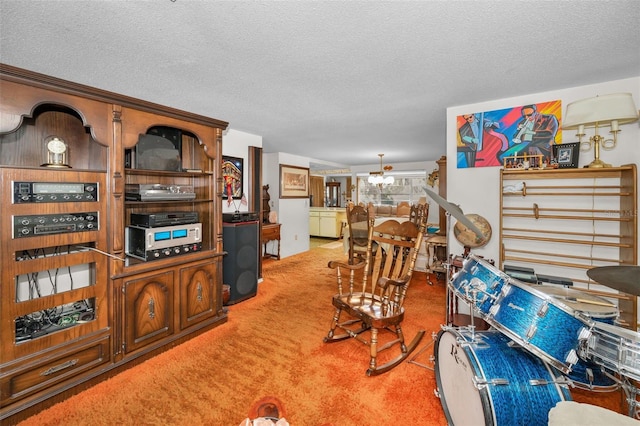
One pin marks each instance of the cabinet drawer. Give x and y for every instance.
(270, 234)
(47, 372)
(328, 214)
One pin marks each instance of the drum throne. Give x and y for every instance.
(371, 293)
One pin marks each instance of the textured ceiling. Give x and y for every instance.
(330, 80)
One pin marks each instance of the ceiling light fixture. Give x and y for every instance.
(378, 178)
(600, 111)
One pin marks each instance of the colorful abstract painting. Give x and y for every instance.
(484, 139)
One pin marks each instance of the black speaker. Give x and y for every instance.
(240, 264)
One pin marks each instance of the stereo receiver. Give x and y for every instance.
(48, 224)
(54, 192)
(156, 243)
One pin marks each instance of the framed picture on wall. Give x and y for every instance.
(567, 155)
(294, 182)
(232, 170)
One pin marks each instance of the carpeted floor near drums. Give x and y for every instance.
(272, 347)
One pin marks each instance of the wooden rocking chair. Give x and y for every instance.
(375, 291)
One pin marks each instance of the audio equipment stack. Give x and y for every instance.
(160, 235)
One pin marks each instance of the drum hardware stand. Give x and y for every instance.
(430, 367)
(472, 326)
(631, 393)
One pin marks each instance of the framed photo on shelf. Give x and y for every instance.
(232, 170)
(294, 182)
(566, 155)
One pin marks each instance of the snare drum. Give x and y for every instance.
(482, 376)
(595, 307)
(587, 374)
(478, 283)
(616, 348)
(541, 324)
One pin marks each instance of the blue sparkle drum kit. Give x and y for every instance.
(544, 339)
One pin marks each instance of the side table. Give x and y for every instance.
(270, 232)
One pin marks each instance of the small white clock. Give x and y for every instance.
(56, 152)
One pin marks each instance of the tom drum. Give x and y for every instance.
(587, 374)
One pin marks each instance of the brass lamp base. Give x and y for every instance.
(597, 140)
(598, 163)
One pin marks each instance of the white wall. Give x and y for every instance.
(293, 213)
(477, 190)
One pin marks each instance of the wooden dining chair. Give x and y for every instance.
(369, 304)
(417, 211)
(358, 224)
(403, 209)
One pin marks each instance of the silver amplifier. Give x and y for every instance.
(154, 243)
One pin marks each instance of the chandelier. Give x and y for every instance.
(378, 178)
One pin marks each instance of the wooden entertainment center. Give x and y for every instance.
(76, 305)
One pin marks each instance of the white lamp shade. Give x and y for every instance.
(601, 110)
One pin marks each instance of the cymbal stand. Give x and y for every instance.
(447, 301)
(447, 266)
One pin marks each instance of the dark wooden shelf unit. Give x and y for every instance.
(74, 307)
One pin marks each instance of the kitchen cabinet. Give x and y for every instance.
(326, 222)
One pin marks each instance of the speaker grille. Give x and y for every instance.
(240, 264)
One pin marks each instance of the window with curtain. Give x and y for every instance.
(404, 188)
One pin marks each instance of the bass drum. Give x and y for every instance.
(483, 376)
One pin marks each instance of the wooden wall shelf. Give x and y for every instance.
(563, 222)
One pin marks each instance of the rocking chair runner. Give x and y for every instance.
(374, 295)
